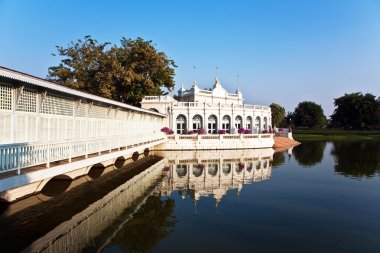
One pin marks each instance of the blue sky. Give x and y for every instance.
(284, 51)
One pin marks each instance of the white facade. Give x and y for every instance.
(212, 110)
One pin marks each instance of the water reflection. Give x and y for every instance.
(203, 173)
(357, 159)
(135, 209)
(278, 159)
(309, 153)
(149, 225)
(69, 221)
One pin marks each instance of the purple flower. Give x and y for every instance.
(201, 131)
(221, 131)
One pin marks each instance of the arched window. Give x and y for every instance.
(212, 124)
(238, 122)
(213, 169)
(258, 124)
(181, 124)
(248, 123)
(197, 122)
(181, 170)
(265, 123)
(226, 123)
(227, 168)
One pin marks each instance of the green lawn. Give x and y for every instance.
(324, 134)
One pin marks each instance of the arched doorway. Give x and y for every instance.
(248, 123)
(238, 122)
(226, 124)
(181, 124)
(265, 123)
(212, 124)
(197, 122)
(258, 124)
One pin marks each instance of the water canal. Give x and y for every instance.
(320, 196)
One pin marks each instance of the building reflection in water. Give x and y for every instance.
(212, 173)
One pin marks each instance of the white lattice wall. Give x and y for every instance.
(56, 105)
(5, 97)
(41, 117)
(27, 101)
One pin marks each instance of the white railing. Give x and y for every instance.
(158, 99)
(216, 105)
(176, 137)
(22, 155)
(202, 104)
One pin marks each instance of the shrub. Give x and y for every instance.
(221, 131)
(165, 130)
(265, 131)
(171, 132)
(201, 131)
(191, 132)
(247, 131)
(241, 130)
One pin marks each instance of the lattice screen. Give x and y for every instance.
(5, 97)
(98, 112)
(27, 101)
(82, 110)
(56, 105)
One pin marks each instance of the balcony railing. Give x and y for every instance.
(203, 104)
(22, 155)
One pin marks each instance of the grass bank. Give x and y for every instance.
(327, 134)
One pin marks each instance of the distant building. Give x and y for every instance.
(214, 109)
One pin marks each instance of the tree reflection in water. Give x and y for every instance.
(309, 153)
(357, 159)
(151, 224)
(278, 159)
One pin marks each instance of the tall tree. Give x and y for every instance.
(278, 114)
(354, 111)
(309, 114)
(124, 73)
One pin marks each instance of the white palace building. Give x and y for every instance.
(212, 110)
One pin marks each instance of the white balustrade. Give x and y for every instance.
(20, 155)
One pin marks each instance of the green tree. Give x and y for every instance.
(377, 112)
(309, 114)
(124, 73)
(278, 114)
(354, 111)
